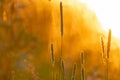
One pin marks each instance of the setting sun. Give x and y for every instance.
(107, 12)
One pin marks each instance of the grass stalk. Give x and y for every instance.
(104, 56)
(82, 73)
(74, 72)
(61, 18)
(61, 31)
(63, 70)
(52, 54)
(107, 57)
(53, 60)
(82, 58)
(109, 43)
(82, 66)
(102, 47)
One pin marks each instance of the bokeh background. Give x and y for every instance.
(29, 27)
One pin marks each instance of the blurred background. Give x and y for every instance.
(31, 42)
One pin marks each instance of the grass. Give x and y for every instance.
(108, 55)
(53, 61)
(74, 72)
(59, 71)
(63, 70)
(82, 66)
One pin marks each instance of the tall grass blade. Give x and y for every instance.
(53, 61)
(52, 54)
(74, 71)
(61, 17)
(109, 43)
(108, 51)
(82, 73)
(61, 30)
(82, 66)
(102, 47)
(82, 57)
(63, 69)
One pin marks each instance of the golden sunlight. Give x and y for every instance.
(108, 13)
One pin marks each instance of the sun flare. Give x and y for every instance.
(108, 13)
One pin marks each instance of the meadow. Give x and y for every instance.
(55, 40)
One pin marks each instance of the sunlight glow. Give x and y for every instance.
(108, 13)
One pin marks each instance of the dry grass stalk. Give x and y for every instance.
(82, 57)
(74, 71)
(82, 73)
(102, 47)
(82, 66)
(61, 30)
(108, 51)
(103, 50)
(63, 69)
(61, 17)
(52, 54)
(53, 60)
(109, 42)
